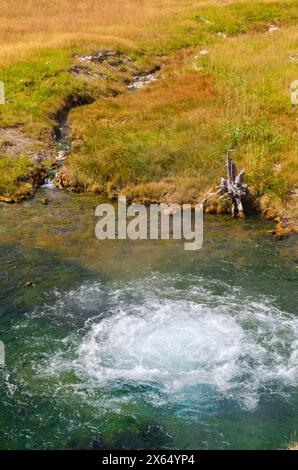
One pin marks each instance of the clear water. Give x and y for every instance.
(122, 344)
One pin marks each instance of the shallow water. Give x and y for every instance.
(122, 344)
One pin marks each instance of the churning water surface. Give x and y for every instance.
(143, 345)
(180, 340)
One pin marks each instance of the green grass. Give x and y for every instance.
(36, 89)
(233, 19)
(176, 133)
(14, 177)
(168, 141)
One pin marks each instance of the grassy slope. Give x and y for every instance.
(168, 140)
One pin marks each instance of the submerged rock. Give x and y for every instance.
(155, 437)
(62, 155)
(29, 284)
(282, 229)
(98, 444)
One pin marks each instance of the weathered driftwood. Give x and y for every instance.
(232, 187)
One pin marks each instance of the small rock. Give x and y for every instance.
(66, 179)
(204, 52)
(277, 167)
(269, 214)
(277, 235)
(139, 81)
(44, 201)
(80, 70)
(104, 56)
(29, 284)
(220, 210)
(283, 229)
(293, 58)
(210, 208)
(222, 35)
(170, 210)
(272, 28)
(198, 69)
(61, 156)
(201, 19)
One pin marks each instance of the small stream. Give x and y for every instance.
(140, 344)
(63, 148)
(62, 132)
(62, 140)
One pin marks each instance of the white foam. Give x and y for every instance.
(181, 340)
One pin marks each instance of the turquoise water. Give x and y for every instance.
(122, 344)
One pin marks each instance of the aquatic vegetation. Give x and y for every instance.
(166, 140)
(125, 344)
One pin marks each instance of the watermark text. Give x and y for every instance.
(158, 221)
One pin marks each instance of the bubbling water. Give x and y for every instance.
(187, 342)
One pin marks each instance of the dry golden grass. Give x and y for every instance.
(28, 25)
(32, 24)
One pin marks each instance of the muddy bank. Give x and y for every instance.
(286, 221)
(27, 159)
(15, 143)
(32, 181)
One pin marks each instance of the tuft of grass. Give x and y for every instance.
(14, 177)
